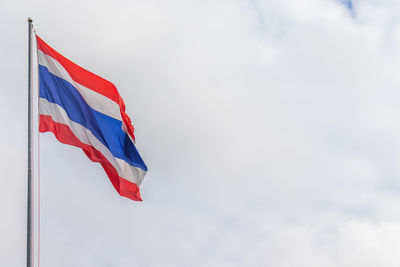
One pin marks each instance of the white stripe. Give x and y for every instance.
(124, 169)
(95, 100)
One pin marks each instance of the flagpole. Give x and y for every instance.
(29, 239)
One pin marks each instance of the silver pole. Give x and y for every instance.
(29, 252)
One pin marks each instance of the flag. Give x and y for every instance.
(84, 110)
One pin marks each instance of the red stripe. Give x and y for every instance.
(64, 134)
(89, 80)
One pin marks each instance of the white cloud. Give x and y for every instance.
(270, 129)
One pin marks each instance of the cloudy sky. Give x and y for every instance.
(271, 130)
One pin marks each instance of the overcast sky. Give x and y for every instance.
(271, 130)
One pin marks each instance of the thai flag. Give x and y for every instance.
(84, 110)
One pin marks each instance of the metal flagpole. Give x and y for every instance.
(29, 239)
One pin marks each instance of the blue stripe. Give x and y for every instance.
(105, 128)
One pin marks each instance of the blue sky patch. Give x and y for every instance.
(348, 4)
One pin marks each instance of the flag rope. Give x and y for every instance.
(38, 163)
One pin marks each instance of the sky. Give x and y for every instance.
(271, 130)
